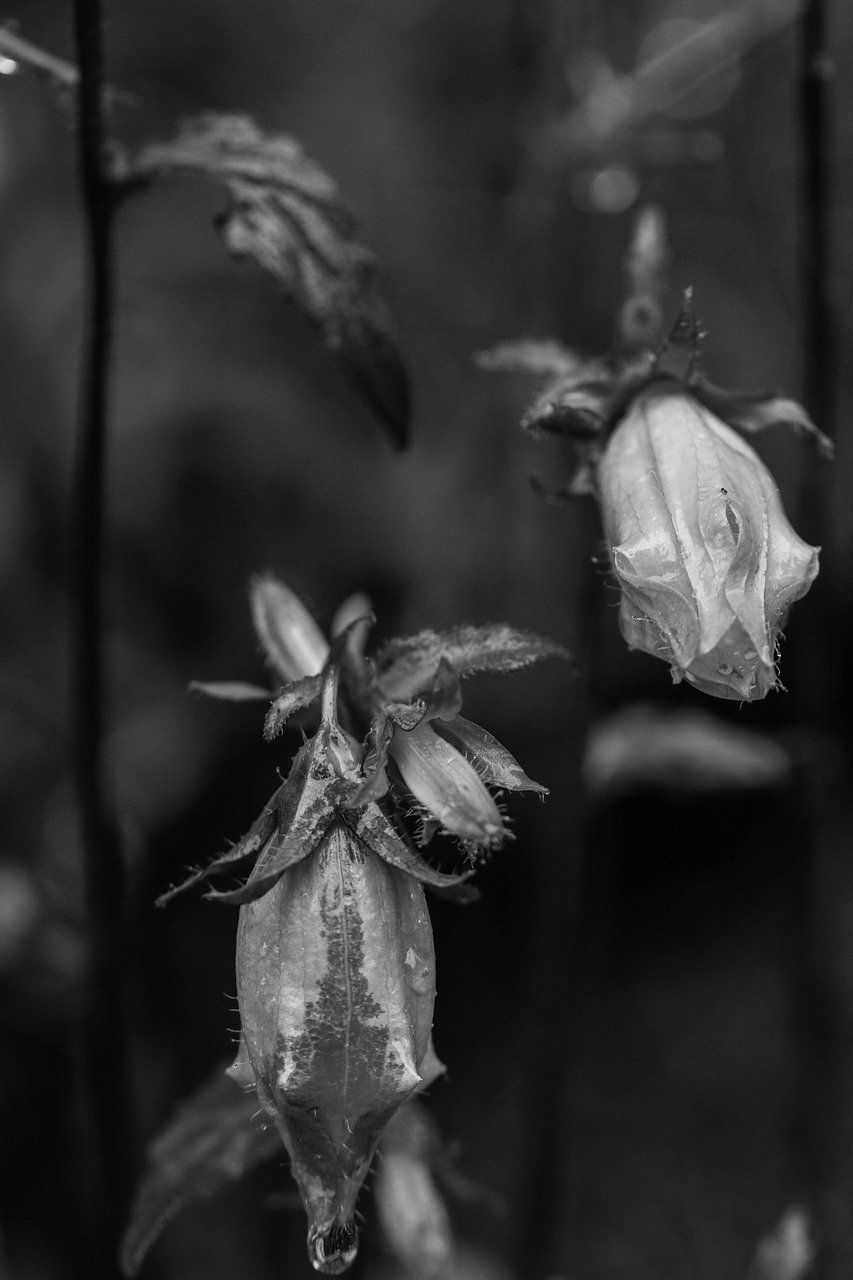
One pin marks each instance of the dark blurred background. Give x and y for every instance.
(644, 1019)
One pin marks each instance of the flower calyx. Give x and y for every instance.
(583, 398)
(408, 701)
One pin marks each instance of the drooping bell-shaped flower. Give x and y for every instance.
(704, 555)
(336, 985)
(335, 975)
(706, 559)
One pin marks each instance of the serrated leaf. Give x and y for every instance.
(407, 666)
(287, 215)
(212, 1140)
(496, 765)
(230, 690)
(293, 697)
(543, 358)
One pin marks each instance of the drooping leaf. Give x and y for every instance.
(286, 214)
(496, 765)
(293, 697)
(212, 1140)
(407, 666)
(230, 690)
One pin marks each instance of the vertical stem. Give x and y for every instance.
(824, 1129)
(816, 122)
(104, 1051)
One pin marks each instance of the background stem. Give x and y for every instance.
(103, 1034)
(816, 115)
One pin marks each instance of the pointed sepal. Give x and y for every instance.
(496, 765)
(407, 666)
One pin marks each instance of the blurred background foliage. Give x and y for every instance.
(628, 1014)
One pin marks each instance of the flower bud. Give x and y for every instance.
(336, 983)
(706, 559)
(447, 785)
(292, 642)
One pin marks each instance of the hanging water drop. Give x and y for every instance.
(333, 1251)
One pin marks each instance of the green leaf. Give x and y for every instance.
(293, 697)
(408, 666)
(496, 765)
(287, 215)
(230, 690)
(212, 1140)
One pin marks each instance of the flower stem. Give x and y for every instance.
(103, 1039)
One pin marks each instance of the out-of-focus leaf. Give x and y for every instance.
(496, 766)
(686, 752)
(542, 358)
(212, 1140)
(788, 1252)
(409, 1206)
(287, 215)
(292, 698)
(230, 690)
(407, 666)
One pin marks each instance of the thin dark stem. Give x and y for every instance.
(104, 1050)
(824, 1117)
(816, 118)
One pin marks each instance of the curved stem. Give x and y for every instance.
(104, 1052)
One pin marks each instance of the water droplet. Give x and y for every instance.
(333, 1251)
